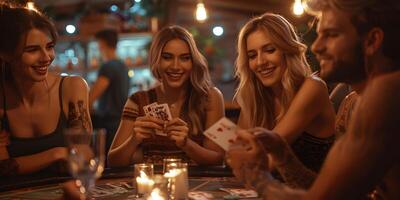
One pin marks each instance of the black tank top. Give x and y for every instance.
(28, 146)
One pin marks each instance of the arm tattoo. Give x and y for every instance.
(130, 113)
(295, 174)
(78, 117)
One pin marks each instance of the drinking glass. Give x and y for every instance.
(86, 156)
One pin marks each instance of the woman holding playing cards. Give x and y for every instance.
(285, 97)
(168, 120)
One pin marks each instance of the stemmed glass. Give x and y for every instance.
(86, 156)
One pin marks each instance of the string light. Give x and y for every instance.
(298, 8)
(201, 13)
(31, 6)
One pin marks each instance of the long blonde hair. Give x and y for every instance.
(256, 100)
(200, 81)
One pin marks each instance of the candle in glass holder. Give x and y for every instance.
(168, 161)
(160, 188)
(144, 183)
(178, 180)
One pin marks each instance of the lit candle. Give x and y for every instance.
(144, 184)
(178, 183)
(156, 195)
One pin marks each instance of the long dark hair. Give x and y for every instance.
(19, 21)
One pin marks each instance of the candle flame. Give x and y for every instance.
(155, 195)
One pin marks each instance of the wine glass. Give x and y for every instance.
(86, 156)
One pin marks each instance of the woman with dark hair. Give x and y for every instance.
(35, 105)
(195, 105)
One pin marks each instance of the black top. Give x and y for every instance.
(312, 150)
(113, 99)
(28, 146)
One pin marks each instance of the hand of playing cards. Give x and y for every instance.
(159, 111)
(223, 133)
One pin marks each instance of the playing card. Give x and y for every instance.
(223, 133)
(162, 112)
(148, 108)
(200, 195)
(241, 193)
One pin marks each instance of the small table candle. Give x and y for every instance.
(178, 183)
(144, 183)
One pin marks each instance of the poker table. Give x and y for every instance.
(117, 183)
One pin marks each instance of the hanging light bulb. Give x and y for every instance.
(201, 13)
(298, 8)
(31, 5)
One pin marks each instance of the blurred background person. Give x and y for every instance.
(111, 87)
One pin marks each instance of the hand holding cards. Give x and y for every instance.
(159, 111)
(223, 133)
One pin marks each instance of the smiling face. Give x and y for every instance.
(175, 64)
(338, 48)
(265, 59)
(37, 55)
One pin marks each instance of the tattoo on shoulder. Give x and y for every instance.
(77, 115)
(130, 113)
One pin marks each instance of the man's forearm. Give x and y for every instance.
(267, 187)
(294, 173)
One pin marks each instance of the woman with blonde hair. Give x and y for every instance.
(285, 97)
(194, 103)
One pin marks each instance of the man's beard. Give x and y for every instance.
(347, 71)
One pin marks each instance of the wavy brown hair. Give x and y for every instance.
(200, 81)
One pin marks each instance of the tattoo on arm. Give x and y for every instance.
(77, 116)
(130, 113)
(295, 174)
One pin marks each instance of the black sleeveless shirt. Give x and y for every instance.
(28, 146)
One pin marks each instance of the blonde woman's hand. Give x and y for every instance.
(273, 144)
(249, 153)
(177, 130)
(144, 127)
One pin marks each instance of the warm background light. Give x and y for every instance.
(298, 8)
(201, 13)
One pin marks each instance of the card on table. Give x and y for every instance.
(223, 133)
(200, 195)
(241, 193)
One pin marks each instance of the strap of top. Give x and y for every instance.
(4, 122)
(60, 95)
